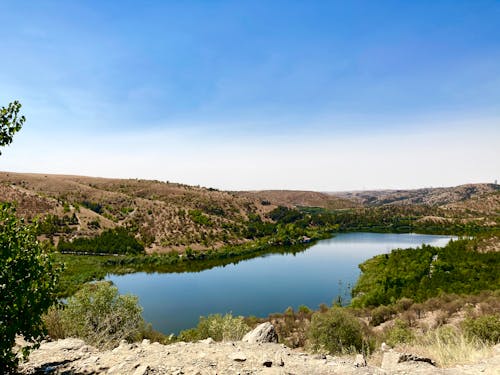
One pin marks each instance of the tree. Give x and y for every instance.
(10, 123)
(28, 274)
(28, 277)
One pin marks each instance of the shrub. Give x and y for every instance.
(28, 277)
(485, 328)
(380, 315)
(403, 304)
(218, 327)
(336, 331)
(400, 333)
(102, 317)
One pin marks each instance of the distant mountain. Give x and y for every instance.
(299, 198)
(426, 196)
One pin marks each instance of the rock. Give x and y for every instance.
(278, 359)
(360, 361)
(266, 362)
(142, 370)
(207, 341)
(264, 332)
(391, 359)
(226, 358)
(146, 342)
(384, 347)
(238, 357)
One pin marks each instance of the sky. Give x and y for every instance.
(247, 95)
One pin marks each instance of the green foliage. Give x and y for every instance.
(426, 272)
(336, 331)
(218, 327)
(28, 277)
(285, 215)
(485, 328)
(400, 333)
(199, 218)
(10, 123)
(96, 207)
(53, 224)
(111, 241)
(102, 317)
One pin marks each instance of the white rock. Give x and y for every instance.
(264, 332)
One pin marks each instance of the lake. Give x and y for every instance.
(263, 285)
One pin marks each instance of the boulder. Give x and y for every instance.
(360, 361)
(391, 359)
(264, 332)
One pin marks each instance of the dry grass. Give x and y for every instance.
(448, 346)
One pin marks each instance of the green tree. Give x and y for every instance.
(10, 123)
(28, 274)
(28, 277)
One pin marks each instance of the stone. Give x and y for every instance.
(208, 341)
(360, 361)
(263, 333)
(238, 357)
(391, 359)
(278, 359)
(267, 362)
(384, 347)
(142, 370)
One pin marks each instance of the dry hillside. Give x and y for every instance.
(427, 196)
(301, 198)
(166, 215)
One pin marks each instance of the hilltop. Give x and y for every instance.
(441, 196)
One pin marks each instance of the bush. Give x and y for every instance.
(102, 317)
(380, 315)
(337, 331)
(28, 277)
(400, 333)
(218, 327)
(485, 328)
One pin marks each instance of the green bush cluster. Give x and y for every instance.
(399, 333)
(485, 328)
(111, 241)
(218, 327)
(336, 331)
(98, 315)
(426, 272)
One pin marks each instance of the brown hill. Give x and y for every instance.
(298, 198)
(167, 216)
(427, 196)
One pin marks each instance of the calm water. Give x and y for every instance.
(264, 285)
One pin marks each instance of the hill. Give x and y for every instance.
(297, 198)
(426, 196)
(166, 216)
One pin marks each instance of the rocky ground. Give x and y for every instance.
(250, 356)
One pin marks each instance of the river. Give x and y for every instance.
(263, 285)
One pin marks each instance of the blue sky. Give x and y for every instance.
(321, 95)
